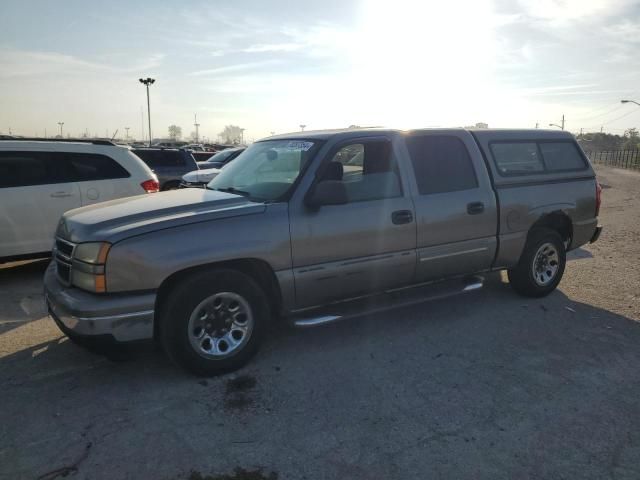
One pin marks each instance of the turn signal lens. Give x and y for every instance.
(92, 252)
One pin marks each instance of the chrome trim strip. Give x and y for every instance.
(118, 317)
(445, 255)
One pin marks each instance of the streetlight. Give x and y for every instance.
(197, 125)
(127, 129)
(561, 127)
(61, 124)
(148, 81)
(630, 101)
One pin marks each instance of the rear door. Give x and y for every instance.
(34, 193)
(363, 246)
(455, 205)
(99, 177)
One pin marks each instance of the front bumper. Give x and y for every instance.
(124, 317)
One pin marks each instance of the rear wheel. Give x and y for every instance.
(541, 266)
(213, 322)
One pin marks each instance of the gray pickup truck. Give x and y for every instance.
(313, 227)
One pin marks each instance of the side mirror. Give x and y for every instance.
(328, 192)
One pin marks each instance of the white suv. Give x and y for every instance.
(40, 180)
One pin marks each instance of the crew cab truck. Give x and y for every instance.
(313, 227)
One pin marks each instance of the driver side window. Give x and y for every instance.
(368, 171)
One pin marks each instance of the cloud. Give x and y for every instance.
(19, 63)
(233, 68)
(273, 47)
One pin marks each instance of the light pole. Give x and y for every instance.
(127, 129)
(302, 127)
(196, 124)
(146, 82)
(60, 124)
(242, 136)
(561, 127)
(630, 101)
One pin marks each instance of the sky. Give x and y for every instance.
(271, 66)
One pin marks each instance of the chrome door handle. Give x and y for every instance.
(61, 194)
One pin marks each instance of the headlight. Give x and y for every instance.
(93, 252)
(87, 270)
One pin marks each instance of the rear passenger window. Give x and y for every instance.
(161, 158)
(85, 167)
(21, 169)
(441, 164)
(561, 156)
(518, 158)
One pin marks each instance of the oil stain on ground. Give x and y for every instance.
(238, 474)
(237, 393)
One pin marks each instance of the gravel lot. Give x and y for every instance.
(485, 386)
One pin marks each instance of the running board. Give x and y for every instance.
(388, 300)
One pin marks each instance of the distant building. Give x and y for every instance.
(478, 125)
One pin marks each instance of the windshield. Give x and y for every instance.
(266, 170)
(221, 156)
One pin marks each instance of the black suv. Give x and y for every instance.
(169, 164)
(221, 158)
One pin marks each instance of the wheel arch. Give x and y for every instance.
(259, 270)
(557, 221)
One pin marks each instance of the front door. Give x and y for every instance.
(363, 246)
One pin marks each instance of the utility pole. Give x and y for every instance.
(563, 121)
(146, 82)
(127, 129)
(537, 124)
(601, 127)
(60, 124)
(196, 124)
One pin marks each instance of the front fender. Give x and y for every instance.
(143, 262)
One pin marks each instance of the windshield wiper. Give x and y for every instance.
(232, 190)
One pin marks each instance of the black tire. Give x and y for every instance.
(170, 186)
(522, 277)
(181, 303)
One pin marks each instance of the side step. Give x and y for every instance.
(385, 301)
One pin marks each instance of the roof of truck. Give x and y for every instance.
(489, 133)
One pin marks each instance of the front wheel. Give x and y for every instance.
(213, 322)
(541, 265)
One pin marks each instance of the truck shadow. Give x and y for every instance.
(489, 365)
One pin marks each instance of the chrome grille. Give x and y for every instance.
(63, 254)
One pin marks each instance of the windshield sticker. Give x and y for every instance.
(297, 145)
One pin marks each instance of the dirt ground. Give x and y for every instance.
(484, 386)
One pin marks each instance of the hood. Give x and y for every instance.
(126, 217)
(201, 176)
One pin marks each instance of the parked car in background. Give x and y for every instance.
(220, 159)
(169, 164)
(40, 180)
(199, 178)
(208, 170)
(314, 227)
